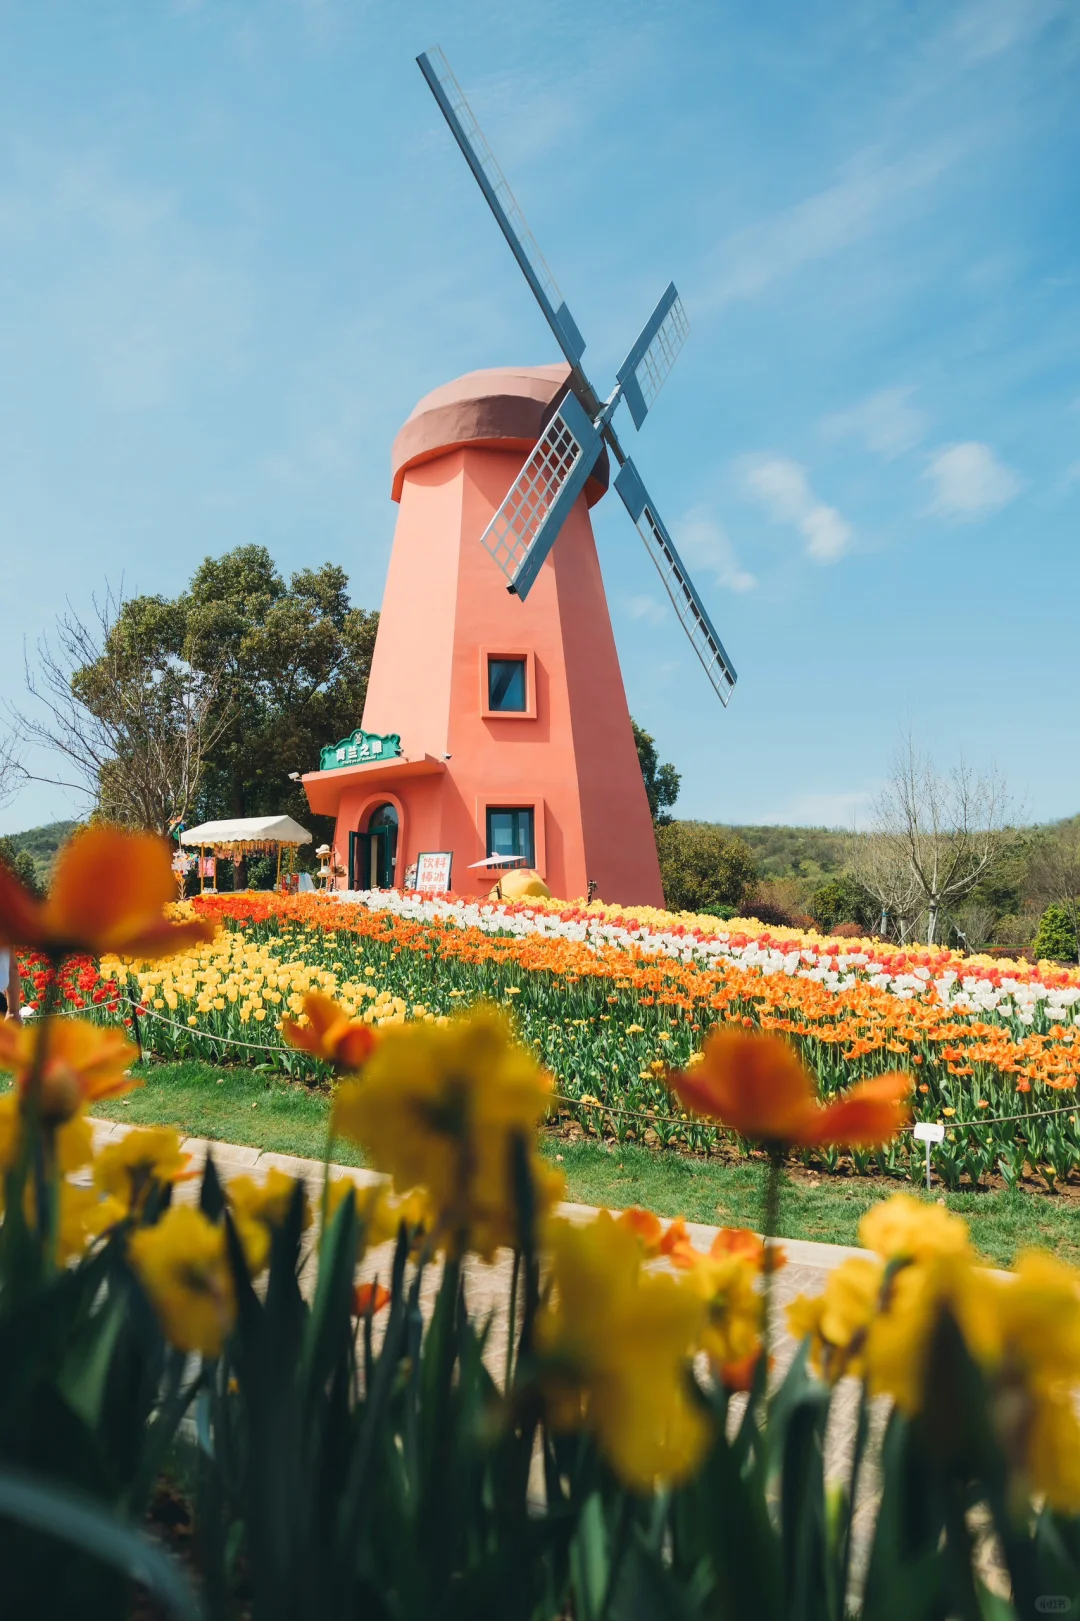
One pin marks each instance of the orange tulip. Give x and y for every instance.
(648, 1228)
(741, 1241)
(83, 1063)
(369, 1297)
(108, 893)
(329, 1034)
(756, 1086)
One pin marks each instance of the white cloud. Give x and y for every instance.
(985, 28)
(819, 226)
(782, 489)
(822, 810)
(969, 482)
(645, 609)
(885, 423)
(705, 545)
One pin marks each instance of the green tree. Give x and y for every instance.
(287, 664)
(703, 869)
(841, 900)
(294, 662)
(1056, 936)
(21, 863)
(662, 782)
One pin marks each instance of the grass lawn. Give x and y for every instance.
(245, 1106)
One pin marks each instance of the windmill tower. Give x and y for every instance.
(496, 723)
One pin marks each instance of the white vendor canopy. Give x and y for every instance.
(247, 830)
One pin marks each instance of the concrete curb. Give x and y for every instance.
(233, 1159)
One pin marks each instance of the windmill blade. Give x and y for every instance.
(536, 506)
(501, 200)
(644, 371)
(685, 600)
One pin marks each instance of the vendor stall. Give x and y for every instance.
(243, 836)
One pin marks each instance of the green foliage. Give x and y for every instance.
(795, 852)
(291, 662)
(40, 844)
(21, 863)
(841, 900)
(661, 781)
(1056, 935)
(703, 868)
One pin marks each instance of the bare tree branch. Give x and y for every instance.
(12, 771)
(1054, 872)
(935, 837)
(133, 724)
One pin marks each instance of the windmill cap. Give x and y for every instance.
(502, 408)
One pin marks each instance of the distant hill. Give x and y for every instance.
(42, 843)
(814, 853)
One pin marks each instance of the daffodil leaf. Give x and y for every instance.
(85, 1373)
(70, 1517)
(645, 1591)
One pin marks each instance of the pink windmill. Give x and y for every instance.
(496, 728)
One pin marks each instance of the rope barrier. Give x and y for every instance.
(605, 1108)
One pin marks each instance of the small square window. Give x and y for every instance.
(510, 833)
(506, 685)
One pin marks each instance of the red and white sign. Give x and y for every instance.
(433, 872)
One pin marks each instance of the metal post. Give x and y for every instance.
(928, 1188)
(136, 1032)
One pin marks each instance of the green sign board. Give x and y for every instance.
(360, 748)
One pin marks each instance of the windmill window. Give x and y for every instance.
(506, 685)
(510, 832)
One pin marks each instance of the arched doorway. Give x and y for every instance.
(373, 851)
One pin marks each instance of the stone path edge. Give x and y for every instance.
(234, 1159)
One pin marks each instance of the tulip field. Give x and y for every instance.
(612, 1001)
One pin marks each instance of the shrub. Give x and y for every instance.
(1015, 929)
(841, 900)
(1056, 935)
(703, 868)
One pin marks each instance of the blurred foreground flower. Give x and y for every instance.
(756, 1086)
(330, 1034)
(143, 1159)
(614, 1343)
(108, 893)
(878, 1318)
(82, 1063)
(440, 1107)
(182, 1265)
(258, 1208)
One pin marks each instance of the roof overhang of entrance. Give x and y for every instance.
(324, 788)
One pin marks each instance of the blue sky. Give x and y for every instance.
(237, 244)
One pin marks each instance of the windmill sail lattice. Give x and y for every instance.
(524, 529)
(527, 524)
(644, 371)
(678, 584)
(501, 200)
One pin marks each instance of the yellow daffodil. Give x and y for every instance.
(128, 1170)
(439, 1107)
(732, 1332)
(904, 1229)
(614, 1342)
(73, 1140)
(837, 1321)
(259, 1207)
(182, 1265)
